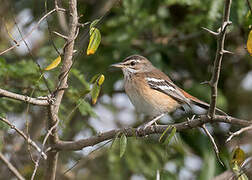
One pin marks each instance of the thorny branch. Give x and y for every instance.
(11, 167)
(216, 150)
(21, 133)
(221, 34)
(62, 85)
(237, 133)
(57, 145)
(155, 129)
(49, 132)
(35, 27)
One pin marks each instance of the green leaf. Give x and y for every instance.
(163, 134)
(123, 145)
(94, 78)
(93, 24)
(85, 108)
(81, 78)
(4, 126)
(94, 41)
(208, 169)
(95, 92)
(115, 139)
(238, 172)
(170, 136)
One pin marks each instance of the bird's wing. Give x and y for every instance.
(160, 81)
(168, 88)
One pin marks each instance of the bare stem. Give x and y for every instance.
(21, 133)
(218, 57)
(29, 33)
(11, 167)
(34, 101)
(216, 150)
(237, 133)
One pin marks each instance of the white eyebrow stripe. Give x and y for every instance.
(136, 60)
(154, 79)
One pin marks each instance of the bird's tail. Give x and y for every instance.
(202, 104)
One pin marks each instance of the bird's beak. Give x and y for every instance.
(118, 65)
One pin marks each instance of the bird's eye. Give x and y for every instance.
(133, 63)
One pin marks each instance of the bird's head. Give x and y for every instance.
(134, 64)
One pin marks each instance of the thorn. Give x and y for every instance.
(83, 24)
(227, 52)
(60, 35)
(211, 32)
(205, 82)
(80, 16)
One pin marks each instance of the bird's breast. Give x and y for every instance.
(148, 101)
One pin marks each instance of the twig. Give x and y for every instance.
(49, 132)
(49, 28)
(27, 99)
(30, 52)
(60, 35)
(211, 32)
(11, 167)
(78, 161)
(249, 5)
(216, 150)
(221, 34)
(153, 121)
(156, 129)
(35, 27)
(239, 132)
(21, 133)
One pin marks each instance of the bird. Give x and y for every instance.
(151, 91)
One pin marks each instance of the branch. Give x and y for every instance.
(29, 141)
(239, 132)
(11, 167)
(216, 150)
(49, 132)
(62, 85)
(218, 57)
(155, 129)
(249, 5)
(29, 33)
(27, 99)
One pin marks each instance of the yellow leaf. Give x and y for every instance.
(94, 41)
(238, 156)
(54, 64)
(249, 43)
(101, 80)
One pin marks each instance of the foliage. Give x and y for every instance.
(169, 33)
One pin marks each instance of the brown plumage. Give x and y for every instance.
(151, 91)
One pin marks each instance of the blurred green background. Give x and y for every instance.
(169, 34)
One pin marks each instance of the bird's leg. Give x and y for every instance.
(152, 121)
(189, 120)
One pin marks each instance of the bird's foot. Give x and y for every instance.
(148, 124)
(189, 120)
